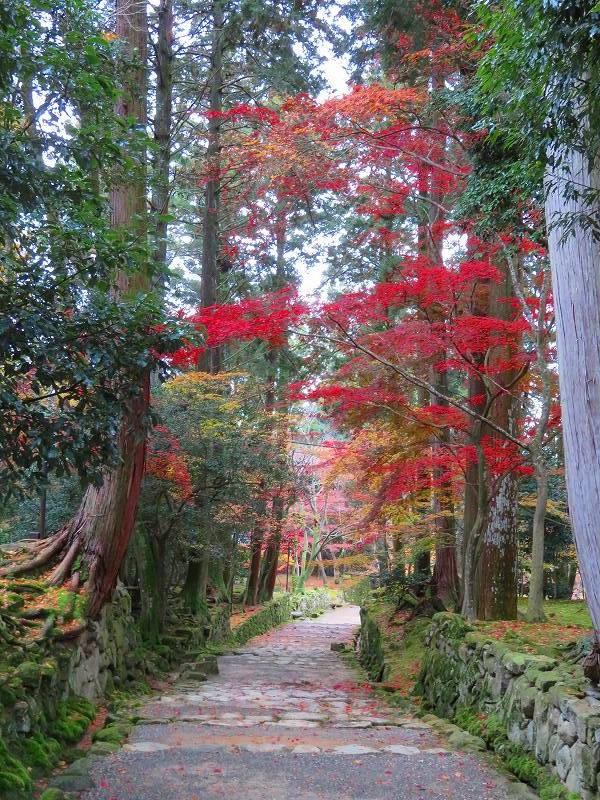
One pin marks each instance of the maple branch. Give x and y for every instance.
(418, 156)
(415, 380)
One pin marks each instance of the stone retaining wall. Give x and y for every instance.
(111, 652)
(371, 647)
(540, 702)
(107, 652)
(280, 610)
(43, 692)
(270, 616)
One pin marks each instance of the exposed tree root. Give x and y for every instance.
(420, 600)
(53, 546)
(35, 613)
(63, 569)
(591, 664)
(75, 581)
(36, 622)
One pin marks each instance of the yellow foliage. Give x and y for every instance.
(553, 509)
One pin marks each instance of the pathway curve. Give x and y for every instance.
(286, 720)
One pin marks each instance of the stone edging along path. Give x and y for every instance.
(284, 718)
(534, 703)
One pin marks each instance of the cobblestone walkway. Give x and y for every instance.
(285, 718)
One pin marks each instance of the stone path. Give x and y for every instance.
(285, 718)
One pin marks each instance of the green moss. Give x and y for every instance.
(131, 696)
(80, 607)
(40, 751)
(48, 668)
(477, 639)
(525, 767)
(521, 764)
(29, 673)
(495, 730)
(7, 696)
(466, 719)
(27, 586)
(52, 794)
(65, 603)
(556, 791)
(69, 729)
(273, 614)
(104, 748)
(114, 733)
(13, 773)
(453, 626)
(565, 612)
(372, 654)
(73, 718)
(437, 682)
(14, 601)
(84, 707)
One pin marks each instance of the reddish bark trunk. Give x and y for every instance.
(271, 556)
(497, 568)
(256, 540)
(269, 569)
(445, 571)
(101, 529)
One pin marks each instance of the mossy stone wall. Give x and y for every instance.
(274, 613)
(370, 645)
(540, 703)
(280, 610)
(45, 696)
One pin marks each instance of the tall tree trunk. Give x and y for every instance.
(423, 565)
(271, 557)
(272, 399)
(191, 591)
(445, 572)
(150, 555)
(210, 361)
(479, 307)
(163, 120)
(576, 286)
(496, 578)
(535, 601)
(196, 579)
(473, 539)
(322, 573)
(99, 533)
(256, 541)
(497, 566)
(101, 529)
(535, 605)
